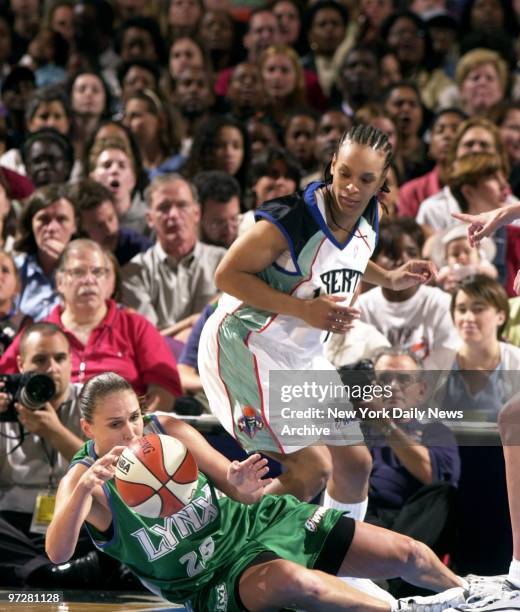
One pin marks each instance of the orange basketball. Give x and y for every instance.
(156, 476)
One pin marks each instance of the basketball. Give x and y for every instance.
(156, 476)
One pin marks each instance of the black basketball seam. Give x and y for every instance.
(171, 493)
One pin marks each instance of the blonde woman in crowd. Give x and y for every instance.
(482, 82)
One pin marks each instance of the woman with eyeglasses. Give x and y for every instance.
(104, 336)
(47, 224)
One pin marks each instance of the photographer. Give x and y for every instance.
(416, 466)
(36, 446)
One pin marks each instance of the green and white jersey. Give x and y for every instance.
(191, 554)
(240, 345)
(177, 555)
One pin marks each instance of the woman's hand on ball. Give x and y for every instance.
(248, 477)
(103, 469)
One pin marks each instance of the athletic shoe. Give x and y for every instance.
(480, 587)
(433, 603)
(506, 599)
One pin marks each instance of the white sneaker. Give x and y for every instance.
(433, 603)
(480, 587)
(506, 599)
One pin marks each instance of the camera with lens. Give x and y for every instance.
(361, 372)
(31, 389)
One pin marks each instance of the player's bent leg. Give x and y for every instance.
(509, 428)
(379, 553)
(307, 473)
(351, 467)
(269, 586)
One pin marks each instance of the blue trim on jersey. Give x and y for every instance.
(261, 214)
(309, 196)
(157, 423)
(284, 271)
(376, 219)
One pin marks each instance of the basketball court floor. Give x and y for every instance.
(92, 601)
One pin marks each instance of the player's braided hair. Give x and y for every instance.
(369, 136)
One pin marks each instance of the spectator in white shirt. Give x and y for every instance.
(417, 318)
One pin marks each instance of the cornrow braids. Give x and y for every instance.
(370, 136)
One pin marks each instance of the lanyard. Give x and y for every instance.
(51, 454)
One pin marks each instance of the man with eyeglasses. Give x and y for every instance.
(416, 466)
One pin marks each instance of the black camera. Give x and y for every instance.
(361, 372)
(30, 389)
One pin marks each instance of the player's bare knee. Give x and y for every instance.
(411, 554)
(304, 586)
(353, 471)
(313, 587)
(320, 471)
(313, 467)
(359, 460)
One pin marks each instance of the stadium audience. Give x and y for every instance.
(224, 103)
(416, 318)
(103, 335)
(171, 282)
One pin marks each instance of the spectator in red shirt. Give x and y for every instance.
(104, 336)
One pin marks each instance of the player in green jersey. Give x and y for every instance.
(244, 551)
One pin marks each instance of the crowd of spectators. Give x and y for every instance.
(137, 138)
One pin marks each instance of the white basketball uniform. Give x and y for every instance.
(240, 345)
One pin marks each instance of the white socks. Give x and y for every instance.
(371, 588)
(514, 573)
(356, 511)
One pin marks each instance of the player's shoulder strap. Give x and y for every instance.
(371, 213)
(292, 215)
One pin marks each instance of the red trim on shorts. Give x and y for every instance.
(262, 409)
(220, 375)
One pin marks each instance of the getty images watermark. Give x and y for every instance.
(322, 407)
(361, 395)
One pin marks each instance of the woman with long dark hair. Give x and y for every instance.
(220, 143)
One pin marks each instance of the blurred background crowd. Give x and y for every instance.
(138, 136)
